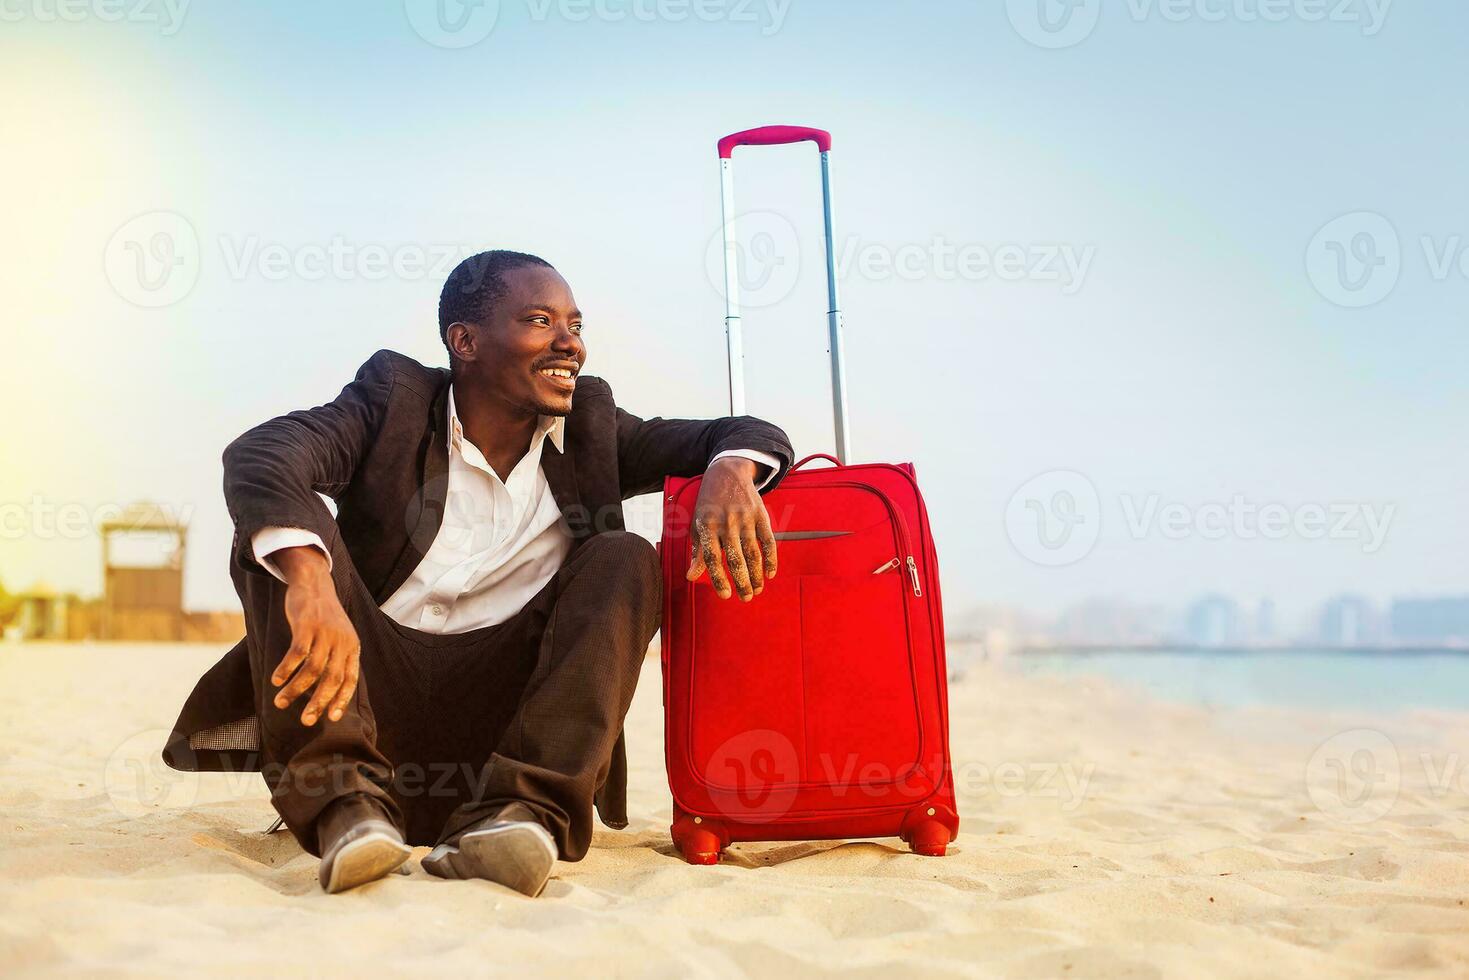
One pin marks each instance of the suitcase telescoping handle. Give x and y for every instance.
(769, 136)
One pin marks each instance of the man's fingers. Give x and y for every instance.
(344, 694)
(766, 537)
(712, 559)
(300, 650)
(696, 563)
(754, 561)
(331, 682)
(305, 677)
(734, 554)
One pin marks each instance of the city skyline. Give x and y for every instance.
(1216, 622)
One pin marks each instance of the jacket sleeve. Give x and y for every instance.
(273, 472)
(650, 449)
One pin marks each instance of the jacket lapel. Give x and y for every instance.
(560, 470)
(424, 513)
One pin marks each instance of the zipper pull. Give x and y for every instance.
(883, 568)
(913, 571)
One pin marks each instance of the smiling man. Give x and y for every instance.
(449, 660)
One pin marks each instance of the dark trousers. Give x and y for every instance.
(447, 729)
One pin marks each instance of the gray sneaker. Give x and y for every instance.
(358, 844)
(516, 853)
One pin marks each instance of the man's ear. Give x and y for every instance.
(461, 340)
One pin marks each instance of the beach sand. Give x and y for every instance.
(1103, 835)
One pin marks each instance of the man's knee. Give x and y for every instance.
(627, 552)
(624, 567)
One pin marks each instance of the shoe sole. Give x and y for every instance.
(368, 858)
(519, 857)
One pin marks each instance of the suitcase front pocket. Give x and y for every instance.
(815, 677)
(746, 711)
(862, 725)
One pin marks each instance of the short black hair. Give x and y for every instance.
(477, 284)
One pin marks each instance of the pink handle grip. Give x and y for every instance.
(772, 136)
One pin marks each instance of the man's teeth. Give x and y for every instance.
(556, 372)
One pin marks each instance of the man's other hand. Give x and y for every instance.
(324, 649)
(731, 526)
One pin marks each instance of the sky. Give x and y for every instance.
(1162, 297)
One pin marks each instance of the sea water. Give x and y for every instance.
(1371, 681)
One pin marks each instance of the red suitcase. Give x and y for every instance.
(820, 709)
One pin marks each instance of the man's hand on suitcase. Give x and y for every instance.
(324, 645)
(731, 526)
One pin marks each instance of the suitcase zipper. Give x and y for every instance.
(912, 572)
(902, 529)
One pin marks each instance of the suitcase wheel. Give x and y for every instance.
(698, 841)
(928, 830)
(699, 847)
(930, 839)
(698, 854)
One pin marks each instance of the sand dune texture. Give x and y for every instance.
(1103, 835)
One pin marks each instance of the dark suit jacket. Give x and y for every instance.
(380, 450)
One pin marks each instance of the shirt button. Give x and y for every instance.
(436, 609)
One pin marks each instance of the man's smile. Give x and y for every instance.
(562, 377)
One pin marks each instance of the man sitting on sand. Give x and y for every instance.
(449, 660)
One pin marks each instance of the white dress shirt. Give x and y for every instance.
(499, 544)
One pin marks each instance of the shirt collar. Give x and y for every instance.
(547, 426)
